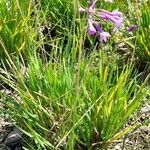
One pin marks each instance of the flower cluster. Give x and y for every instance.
(94, 27)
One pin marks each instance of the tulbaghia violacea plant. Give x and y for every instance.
(94, 26)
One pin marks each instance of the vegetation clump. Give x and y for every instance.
(74, 73)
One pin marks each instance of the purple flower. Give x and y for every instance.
(132, 28)
(92, 6)
(92, 3)
(91, 28)
(81, 10)
(115, 17)
(102, 35)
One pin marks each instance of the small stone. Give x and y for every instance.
(13, 138)
(4, 147)
(145, 109)
(18, 148)
(117, 147)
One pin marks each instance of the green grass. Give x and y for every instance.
(13, 27)
(82, 96)
(64, 105)
(139, 14)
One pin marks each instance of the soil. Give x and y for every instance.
(137, 140)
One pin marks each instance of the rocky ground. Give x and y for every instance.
(11, 138)
(140, 138)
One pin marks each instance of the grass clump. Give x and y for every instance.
(71, 92)
(16, 34)
(84, 105)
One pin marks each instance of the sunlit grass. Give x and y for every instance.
(77, 93)
(63, 105)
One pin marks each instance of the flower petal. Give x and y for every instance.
(82, 10)
(91, 28)
(115, 17)
(132, 28)
(102, 35)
